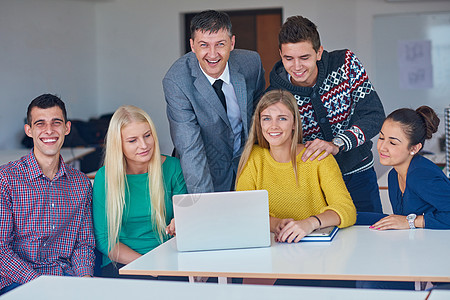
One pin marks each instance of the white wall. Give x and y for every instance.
(138, 40)
(134, 43)
(388, 31)
(46, 46)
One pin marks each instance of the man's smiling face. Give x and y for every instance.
(48, 129)
(299, 60)
(212, 50)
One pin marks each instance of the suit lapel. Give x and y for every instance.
(207, 92)
(240, 89)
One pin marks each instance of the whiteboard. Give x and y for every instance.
(390, 31)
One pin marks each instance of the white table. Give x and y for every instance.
(356, 253)
(74, 288)
(69, 154)
(439, 295)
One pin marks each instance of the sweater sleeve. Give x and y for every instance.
(434, 189)
(335, 192)
(368, 114)
(99, 212)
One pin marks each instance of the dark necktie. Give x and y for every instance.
(217, 85)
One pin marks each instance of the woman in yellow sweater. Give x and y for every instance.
(303, 196)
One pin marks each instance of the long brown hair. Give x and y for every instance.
(256, 137)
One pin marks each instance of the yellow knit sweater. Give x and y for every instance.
(320, 187)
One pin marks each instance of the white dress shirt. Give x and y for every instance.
(233, 112)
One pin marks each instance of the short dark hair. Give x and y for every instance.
(418, 125)
(298, 29)
(211, 21)
(46, 101)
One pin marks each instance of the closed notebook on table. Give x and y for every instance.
(223, 220)
(325, 234)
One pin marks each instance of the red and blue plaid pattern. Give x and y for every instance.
(45, 225)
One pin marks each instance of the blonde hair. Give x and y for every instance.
(256, 136)
(115, 174)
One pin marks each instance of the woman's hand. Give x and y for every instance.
(281, 224)
(391, 222)
(123, 254)
(294, 231)
(170, 229)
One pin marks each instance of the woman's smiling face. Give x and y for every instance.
(277, 124)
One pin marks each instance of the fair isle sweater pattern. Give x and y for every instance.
(343, 103)
(340, 92)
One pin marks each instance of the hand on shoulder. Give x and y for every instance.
(316, 147)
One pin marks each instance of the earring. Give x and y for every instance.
(412, 153)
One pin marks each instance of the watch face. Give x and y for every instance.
(411, 217)
(338, 142)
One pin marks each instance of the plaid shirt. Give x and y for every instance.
(45, 225)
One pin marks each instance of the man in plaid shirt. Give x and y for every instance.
(45, 205)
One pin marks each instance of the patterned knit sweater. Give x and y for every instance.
(320, 187)
(342, 104)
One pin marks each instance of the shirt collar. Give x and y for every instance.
(225, 76)
(34, 170)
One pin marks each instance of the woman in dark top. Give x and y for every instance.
(418, 189)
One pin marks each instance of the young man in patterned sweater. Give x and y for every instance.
(339, 107)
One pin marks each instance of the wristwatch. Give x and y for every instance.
(411, 218)
(339, 142)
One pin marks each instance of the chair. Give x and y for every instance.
(98, 263)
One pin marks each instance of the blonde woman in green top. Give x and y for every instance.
(132, 197)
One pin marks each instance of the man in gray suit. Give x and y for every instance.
(211, 94)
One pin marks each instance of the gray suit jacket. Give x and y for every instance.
(199, 126)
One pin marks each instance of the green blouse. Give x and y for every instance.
(137, 228)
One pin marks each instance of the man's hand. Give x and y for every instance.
(314, 148)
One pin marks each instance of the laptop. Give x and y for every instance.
(222, 220)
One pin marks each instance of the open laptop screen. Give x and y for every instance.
(223, 220)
